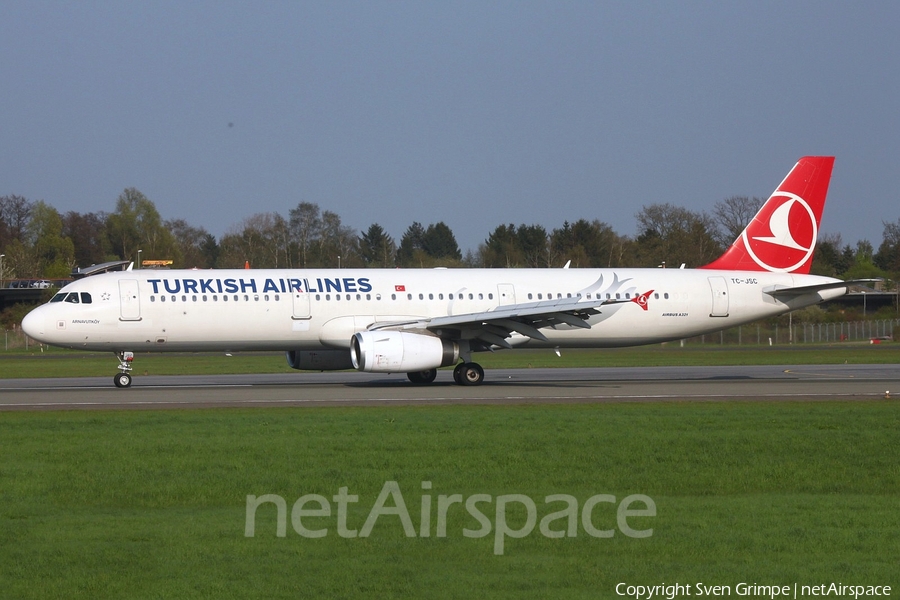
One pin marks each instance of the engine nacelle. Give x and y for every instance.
(319, 360)
(400, 352)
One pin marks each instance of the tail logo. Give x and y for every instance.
(783, 235)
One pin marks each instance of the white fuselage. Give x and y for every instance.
(231, 310)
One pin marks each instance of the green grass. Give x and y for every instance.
(152, 504)
(67, 363)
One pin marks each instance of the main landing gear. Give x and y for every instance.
(465, 373)
(123, 379)
(468, 373)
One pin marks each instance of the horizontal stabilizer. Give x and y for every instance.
(791, 292)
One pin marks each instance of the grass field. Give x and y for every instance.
(153, 504)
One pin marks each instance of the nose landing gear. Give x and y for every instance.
(123, 379)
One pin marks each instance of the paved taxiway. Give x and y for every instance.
(799, 383)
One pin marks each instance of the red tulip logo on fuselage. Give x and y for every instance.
(783, 236)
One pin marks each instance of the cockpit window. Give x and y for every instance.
(85, 298)
(72, 297)
(58, 298)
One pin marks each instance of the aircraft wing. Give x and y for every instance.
(492, 327)
(792, 291)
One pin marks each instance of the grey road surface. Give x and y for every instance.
(502, 386)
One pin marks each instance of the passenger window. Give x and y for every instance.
(666, 295)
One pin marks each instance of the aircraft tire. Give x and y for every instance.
(122, 380)
(471, 374)
(457, 373)
(422, 377)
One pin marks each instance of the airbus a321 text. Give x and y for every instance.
(415, 321)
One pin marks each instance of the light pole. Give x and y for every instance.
(139, 259)
(1, 269)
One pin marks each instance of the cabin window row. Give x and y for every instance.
(617, 296)
(216, 298)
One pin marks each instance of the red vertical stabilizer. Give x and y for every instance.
(782, 236)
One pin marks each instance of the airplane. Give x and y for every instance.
(416, 321)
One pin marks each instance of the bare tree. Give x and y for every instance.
(733, 215)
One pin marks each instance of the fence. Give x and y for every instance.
(802, 333)
(15, 339)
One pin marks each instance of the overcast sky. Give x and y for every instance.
(471, 113)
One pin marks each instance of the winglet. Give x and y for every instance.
(782, 236)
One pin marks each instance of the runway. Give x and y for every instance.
(502, 386)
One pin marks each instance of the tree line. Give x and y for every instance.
(40, 242)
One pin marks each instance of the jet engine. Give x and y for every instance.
(400, 352)
(319, 360)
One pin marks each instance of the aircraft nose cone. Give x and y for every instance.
(33, 324)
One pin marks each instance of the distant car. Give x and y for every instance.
(43, 284)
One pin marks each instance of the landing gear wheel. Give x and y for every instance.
(457, 373)
(422, 376)
(123, 379)
(470, 374)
